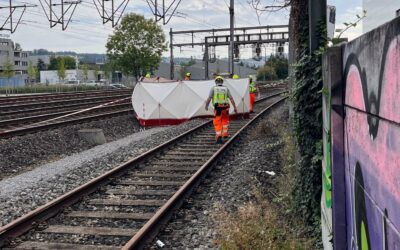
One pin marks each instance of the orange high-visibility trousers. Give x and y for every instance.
(221, 123)
(253, 98)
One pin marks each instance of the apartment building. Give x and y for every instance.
(12, 52)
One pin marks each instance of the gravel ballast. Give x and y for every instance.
(231, 183)
(21, 194)
(24, 153)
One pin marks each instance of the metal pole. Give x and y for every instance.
(171, 57)
(232, 31)
(62, 14)
(11, 21)
(155, 10)
(317, 13)
(112, 14)
(51, 15)
(206, 60)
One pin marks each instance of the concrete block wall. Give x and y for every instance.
(365, 135)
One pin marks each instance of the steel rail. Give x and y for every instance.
(27, 222)
(6, 99)
(41, 109)
(152, 227)
(49, 103)
(32, 129)
(41, 117)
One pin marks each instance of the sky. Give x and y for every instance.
(87, 34)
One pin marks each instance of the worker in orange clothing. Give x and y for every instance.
(187, 76)
(220, 97)
(253, 89)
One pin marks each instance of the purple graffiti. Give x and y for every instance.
(372, 139)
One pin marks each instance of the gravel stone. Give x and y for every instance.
(23, 153)
(23, 193)
(228, 186)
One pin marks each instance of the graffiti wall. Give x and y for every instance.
(371, 140)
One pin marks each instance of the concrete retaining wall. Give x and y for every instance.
(365, 142)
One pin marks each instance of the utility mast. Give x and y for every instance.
(232, 30)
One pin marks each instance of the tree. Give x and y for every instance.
(69, 62)
(61, 70)
(85, 71)
(96, 72)
(184, 67)
(41, 65)
(136, 45)
(108, 70)
(53, 65)
(266, 73)
(32, 71)
(8, 69)
(280, 66)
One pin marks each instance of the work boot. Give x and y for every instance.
(219, 140)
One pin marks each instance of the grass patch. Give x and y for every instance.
(257, 225)
(269, 222)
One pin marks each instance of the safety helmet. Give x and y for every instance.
(188, 74)
(148, 75)
(235, 76)
(219, 80)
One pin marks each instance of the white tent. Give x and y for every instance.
(175, 102)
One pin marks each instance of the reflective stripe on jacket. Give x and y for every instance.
(220, 95)
(252, 87)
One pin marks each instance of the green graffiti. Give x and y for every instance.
(326, 170)
(364, 241)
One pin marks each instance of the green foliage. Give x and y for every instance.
(266, 73)
(85, 71)
(184, 67)
(8, 69)
(275, 68)
(108, 69)
(32, 71)
(136, 45)
(281, 66)
(307, 105)
(69, 62)
(61, 69)
(349, 25)
(96, 72)
(41, 65)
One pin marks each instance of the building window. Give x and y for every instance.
(4, 52)
(24, 63)
(17, 63)
(4, 43)
(24, 55)
(17, 54)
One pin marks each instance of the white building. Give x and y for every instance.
(379, 12)
(12, 53)
(51, 76)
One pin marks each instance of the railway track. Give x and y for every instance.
(59, 96)
(32, 124)
(19, 110)
(125, 207)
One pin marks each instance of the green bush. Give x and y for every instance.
(266, 73)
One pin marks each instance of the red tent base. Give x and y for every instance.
(168, 122)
